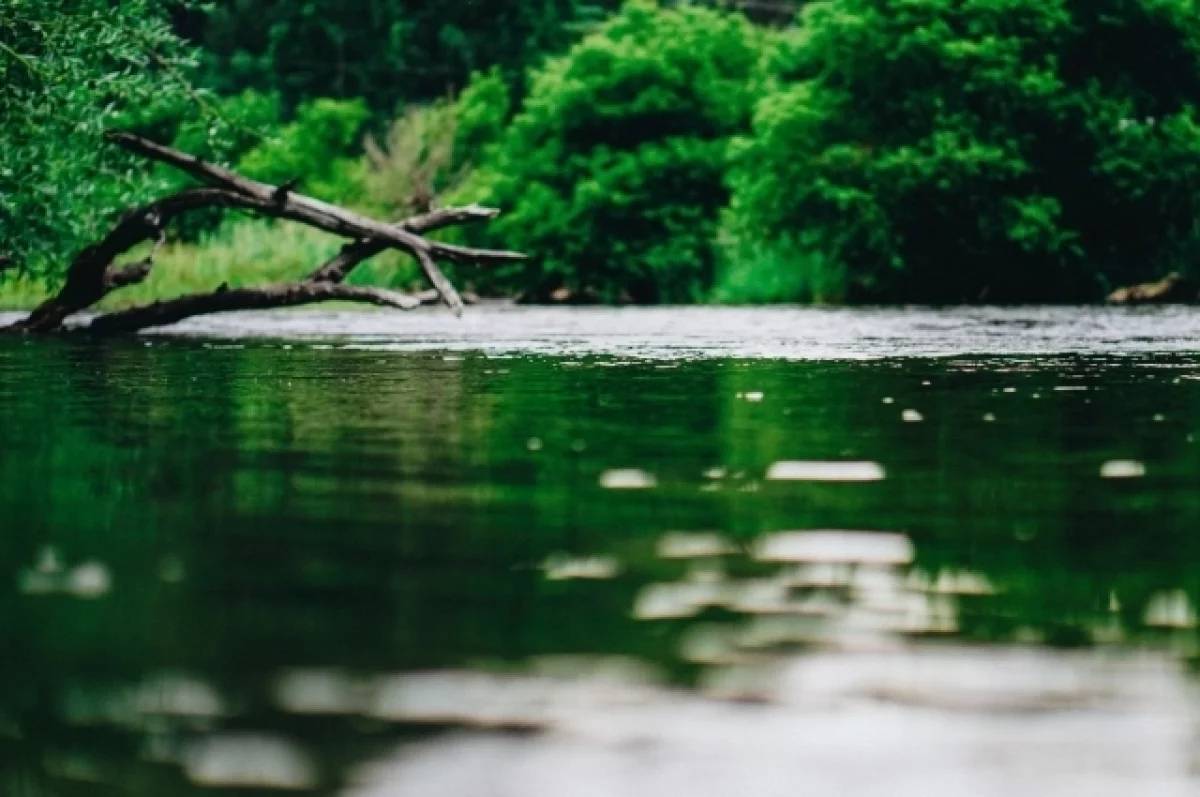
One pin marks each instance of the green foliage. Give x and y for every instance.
(613, 172)
(389, 52)
(314, 148)
(229, 128)
(68, 70)
(241, 253)
(783, 270)
(238, 124)
(481, 113)
(414, 164)
(253, 252)
(880, 150)
(1003, 149)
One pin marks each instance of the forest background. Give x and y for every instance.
(882, 151)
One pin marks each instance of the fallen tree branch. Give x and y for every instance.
(131, 274)
(322, 215)
(94, 273)
(268, 296)
(1171, 289)
(88, 276)
(352, 254)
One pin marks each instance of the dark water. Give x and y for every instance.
(252, 564)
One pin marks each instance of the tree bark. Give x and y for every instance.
(340, 266)
(321, 215)
(93, 273)
(286, 295)
(1171, 289)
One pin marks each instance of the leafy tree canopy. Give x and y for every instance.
(69, 69)
(941, 150)
(613, 171)
(388, 52)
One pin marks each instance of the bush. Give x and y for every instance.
(389, 52)
(316, 148)
(613, 174)
(781, 270)
(414, 164)
(61, 86)
(1009, 150)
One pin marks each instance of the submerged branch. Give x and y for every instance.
(268, 296)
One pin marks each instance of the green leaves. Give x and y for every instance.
(69, 70)
(387, 52)
(950, 151)
(612, 174)
(308, 148)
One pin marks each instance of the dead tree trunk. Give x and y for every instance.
(93, 273)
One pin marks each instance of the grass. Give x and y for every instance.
(253, 252)
(762, 273)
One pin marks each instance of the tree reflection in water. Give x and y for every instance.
(267, 564)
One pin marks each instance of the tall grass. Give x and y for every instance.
(764, 273)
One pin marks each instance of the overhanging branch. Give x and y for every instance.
(323, 215)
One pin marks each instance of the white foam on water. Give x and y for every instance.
(928, 721)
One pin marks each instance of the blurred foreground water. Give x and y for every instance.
(551, 552)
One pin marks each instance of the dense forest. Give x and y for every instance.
(832, 151)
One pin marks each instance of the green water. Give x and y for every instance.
(231, 512)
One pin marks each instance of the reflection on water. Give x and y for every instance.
(257, 566)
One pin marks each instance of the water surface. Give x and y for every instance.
(604, 552)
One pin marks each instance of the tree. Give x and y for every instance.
(1007, 150)
(68, 70)
(613, 172)
(389, 52)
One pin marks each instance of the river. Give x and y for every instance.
(604, 552)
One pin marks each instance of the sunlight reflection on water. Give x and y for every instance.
(828, 662)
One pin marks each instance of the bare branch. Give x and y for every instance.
(338, 267)
(352, 254)
(449, 217)
(87, 278)
(440, 282)
(93, 273)
(322, 215)
(116, 277)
